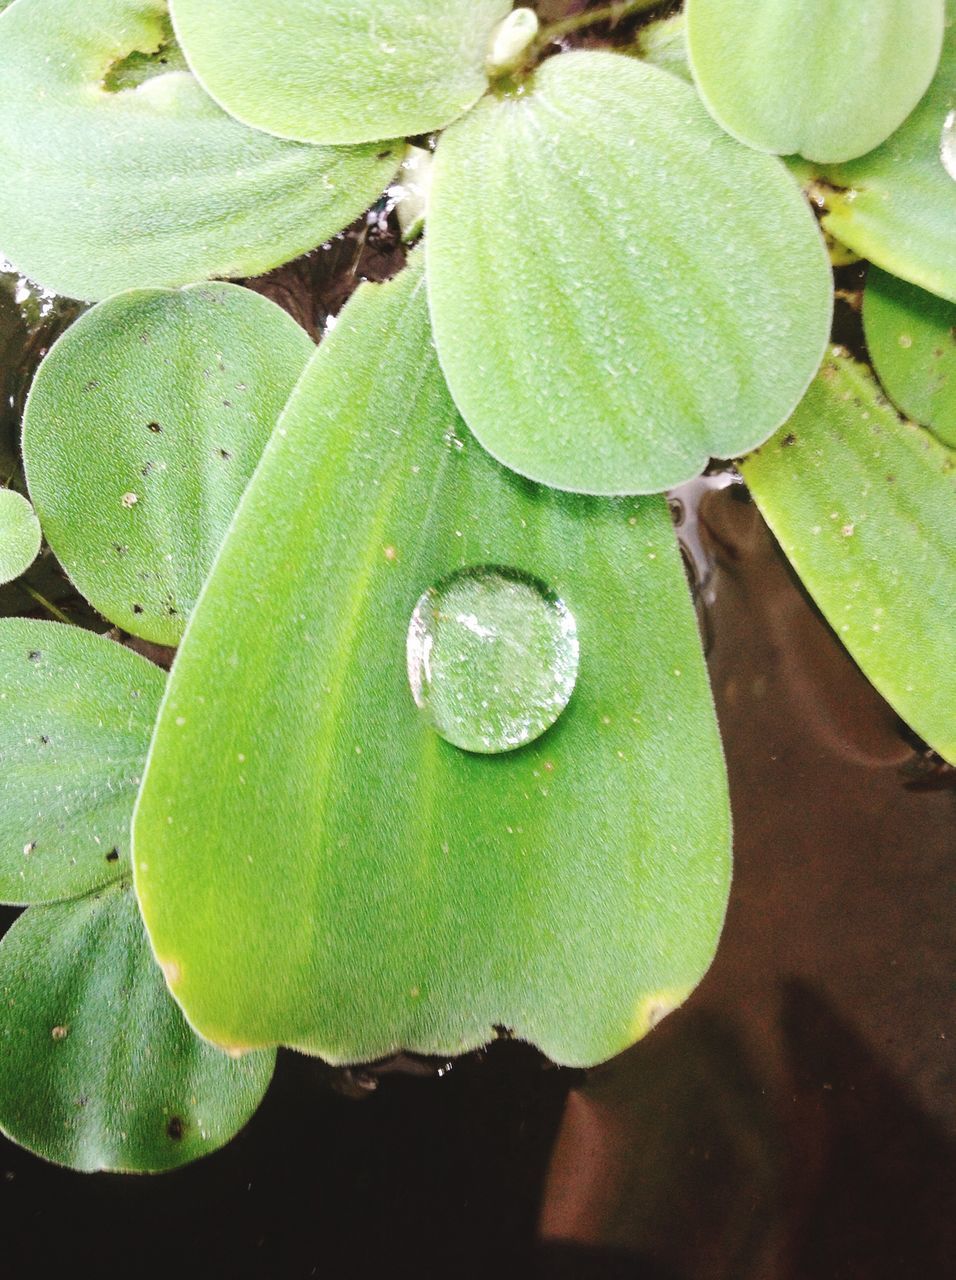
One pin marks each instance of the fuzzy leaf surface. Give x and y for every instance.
(99, 1070)
(863, 506)
(20, 535)
(828, 79)
(911, 338)
(340, 71)
(896, 205)
(338, 877)
(107, 188)
(143, 427)
(619, 290)
(76, 714)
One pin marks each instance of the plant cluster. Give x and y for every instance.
(438, 753)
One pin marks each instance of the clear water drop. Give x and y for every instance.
(947, 145)
(492, 658)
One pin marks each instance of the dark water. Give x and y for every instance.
(796, 1120)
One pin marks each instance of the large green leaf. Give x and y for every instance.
(340, 70)
(897, 205)
(143, 428)
(317, 865)
(863, 506)
(911, 338)
(619, 290)
(19, 535)
(76, 714)
(830, 79)
(98, 1069)
(106, 189)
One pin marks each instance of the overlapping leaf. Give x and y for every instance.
(316, 865)
(98, 1068)
(911, 338)
(343, 71)
(897, 204)
(828, 80)
(143, 427)
(619, 290)
(863, 505)
(107, 187)
(76, 714)
(19, 535)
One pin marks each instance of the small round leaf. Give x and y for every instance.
(619, 290)
(99, 1069)
(113, 179)
(340, 73)
(20, 535)
(76, 714)
(142, 429)
(911, 338)
(830, 79)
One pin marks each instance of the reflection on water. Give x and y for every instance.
(796, 1119)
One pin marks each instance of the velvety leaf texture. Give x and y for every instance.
(619, 290)
(911, 338)
(98, 1068)
(19, 535)
(863, 505)
(830, 79)
(107, 187)
(76, 714)
(335, 875)
(340, 71)
(897, 204)
(142, 429)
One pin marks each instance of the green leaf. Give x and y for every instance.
(911, 338)
(830, 80)
(317, 865)
(98, 1068)
(20, 536)
(154, 185)
(340, 72)
(897, 205)
(862, 504)
(76, 714)
(619, 290)
(143, 427)
(663, 43)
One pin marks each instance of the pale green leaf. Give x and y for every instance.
(98, 1068)
(911, 338)
(663, 43)
(318, 866)
(110, 188)
(897, 205)
(863, 506)
(20, 536)
(143, 427)
(830, 79)
(76, 714)
(340, 70)
(619, 290)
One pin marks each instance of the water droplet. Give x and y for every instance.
(947, 145)
(492, 658)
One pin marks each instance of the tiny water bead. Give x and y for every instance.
(947, 145)
(492, 658)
